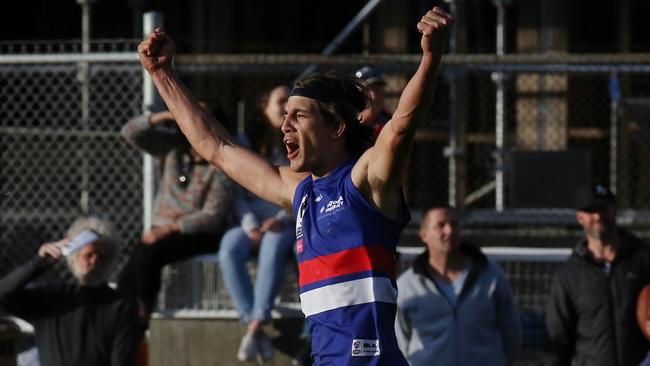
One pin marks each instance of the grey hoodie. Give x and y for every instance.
(481, 329)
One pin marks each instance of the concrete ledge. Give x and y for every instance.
(214, 341)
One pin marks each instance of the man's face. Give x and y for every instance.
(598, 223)
(440, 232)
(87, 265)
(306, 135)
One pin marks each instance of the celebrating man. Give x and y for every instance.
(346, 195)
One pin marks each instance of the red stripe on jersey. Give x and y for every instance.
(368, 258)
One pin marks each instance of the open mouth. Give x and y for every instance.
(292, 148)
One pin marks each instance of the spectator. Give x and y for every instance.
(591, 317)
(264, 132)
(375, 115)
(86, 323)
(265, 229)
(190, 208)
(454, 306)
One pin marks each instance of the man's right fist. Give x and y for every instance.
(157, 51)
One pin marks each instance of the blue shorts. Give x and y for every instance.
(356, 335)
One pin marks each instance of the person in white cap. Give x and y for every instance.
(85, 323)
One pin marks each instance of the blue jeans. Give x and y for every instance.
(234, 252)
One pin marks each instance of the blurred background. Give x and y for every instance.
(534, 98)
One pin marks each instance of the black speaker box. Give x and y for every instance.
(547, 179)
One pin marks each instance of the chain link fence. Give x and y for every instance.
(60, 152)
(61, 155)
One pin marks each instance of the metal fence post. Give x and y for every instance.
(500, 107)
(151, 102)
(83, 76)
(615, 98)
(456, 148)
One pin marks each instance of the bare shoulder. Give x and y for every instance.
(291, 180)
(360, 172)
(376, 188)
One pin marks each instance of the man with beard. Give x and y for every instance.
(591, 317)
(85, 323)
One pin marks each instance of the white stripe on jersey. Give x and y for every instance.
(362, 291)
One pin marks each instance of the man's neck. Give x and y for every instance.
(603, 250)
(330, 164)
(449, 266)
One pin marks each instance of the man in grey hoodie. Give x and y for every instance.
(454, 307)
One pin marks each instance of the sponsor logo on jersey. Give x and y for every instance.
(365, 347)
(333, 205)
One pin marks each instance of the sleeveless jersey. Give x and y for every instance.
(346, 253)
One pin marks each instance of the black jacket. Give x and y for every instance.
(74, 325)
(591, 317)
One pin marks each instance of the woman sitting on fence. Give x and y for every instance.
(265, 229)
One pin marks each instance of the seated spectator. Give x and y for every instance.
(190, 208)
(454, 306)
(265, 229)
(86, 323)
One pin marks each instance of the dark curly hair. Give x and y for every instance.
(348, 98)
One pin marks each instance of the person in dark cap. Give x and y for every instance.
(591, 318)
(375, 115)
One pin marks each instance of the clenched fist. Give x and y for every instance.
(157, 51)
(435, 26)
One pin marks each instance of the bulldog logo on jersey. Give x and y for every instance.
(301, 212)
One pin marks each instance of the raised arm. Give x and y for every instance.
(208, 137)
(144, 132)
(380, 170)
(14, 297)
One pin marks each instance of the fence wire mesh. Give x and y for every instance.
(56, 164)
(61, 154)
